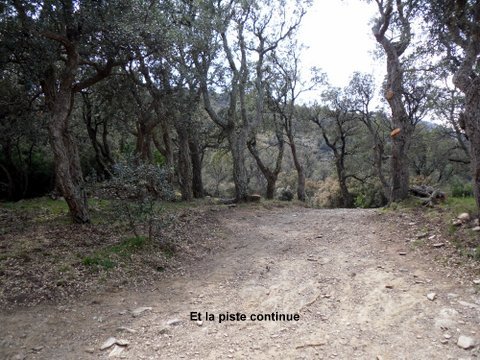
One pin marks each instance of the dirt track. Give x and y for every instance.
(340, 270)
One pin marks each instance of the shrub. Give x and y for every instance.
(369, 195)
(327, 195)
(461, 189)
(285, 194)
(137, 189)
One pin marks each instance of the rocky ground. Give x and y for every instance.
(358, 281)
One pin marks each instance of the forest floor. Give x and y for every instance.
(359, 280)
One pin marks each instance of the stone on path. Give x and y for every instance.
(138, 311)
(108, 343)
(466, 342)
(116, 351)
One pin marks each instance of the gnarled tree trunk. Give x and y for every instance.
(68, 172)
(394, 91)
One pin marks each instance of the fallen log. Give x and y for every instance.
(430, 195)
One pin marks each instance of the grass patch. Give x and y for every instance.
(44, 209)
(107, 257)
(128, 246)
(99, 261)
(458, 205)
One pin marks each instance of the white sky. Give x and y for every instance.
(339, 39)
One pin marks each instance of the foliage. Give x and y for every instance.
(138, 187)
(285, 194)
(327, 195)
(461, 189)
(369, 195)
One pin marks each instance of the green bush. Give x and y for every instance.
(285, 194)
(369, 195)
(138, 189)
(461, 189)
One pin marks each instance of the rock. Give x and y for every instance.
(464, 217)
(446, 319)
(90, 350)
(469, 305)
(422, 235)
(108, 343)
(254, 198)
(174, 322)
(116, 351)
(466, 342)
(457, 222)
(438, 245)
(431, 296)
(139, 311)
(199, 322)
(447, 336)
(37, 348)
(163, 331)
(476, 228)
(476, 281)
(19, 356)
(122, 342)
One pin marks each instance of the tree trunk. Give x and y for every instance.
(143, 147)
(300, 171)
(394, 92)
(399, 165)
(271, 176)
(197, 182)
(68, 172)
(347, 198)
(472, 129)
(378, 153)
(102, 150)
(167, 141)
(238, 147)
(185, 174)
(271, 182)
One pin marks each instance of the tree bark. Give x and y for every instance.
(271, 176)
(185, 173)
(68, 172)
(347, 198)
(238, 147)
(394, 92)
(102, 150)
(300, 171)
(196, 158)
(471, 88)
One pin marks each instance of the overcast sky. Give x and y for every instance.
(339, 39)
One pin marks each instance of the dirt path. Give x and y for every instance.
(339, 270)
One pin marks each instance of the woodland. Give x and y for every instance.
(163, 158)
(181, 99)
